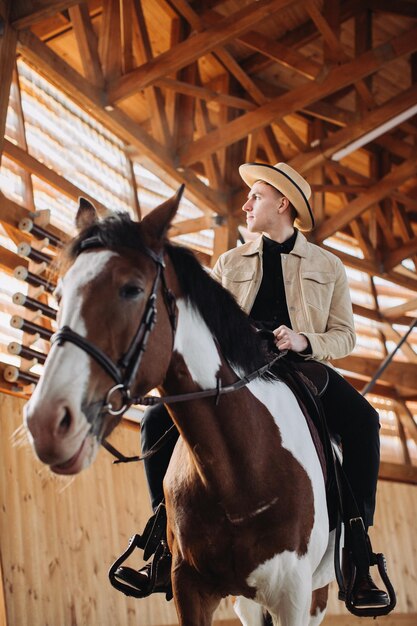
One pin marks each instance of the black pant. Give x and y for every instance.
(348, 414)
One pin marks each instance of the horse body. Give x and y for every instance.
(244, 490)
(249, 478)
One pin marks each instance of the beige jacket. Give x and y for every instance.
(316, 287)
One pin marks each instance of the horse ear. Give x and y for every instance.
(86, 214)
(158, 221)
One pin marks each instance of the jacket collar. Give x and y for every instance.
(255, 247)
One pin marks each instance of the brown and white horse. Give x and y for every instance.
(245, 494)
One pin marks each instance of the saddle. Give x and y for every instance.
(308, 381)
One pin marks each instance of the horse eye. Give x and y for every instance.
(130, 292)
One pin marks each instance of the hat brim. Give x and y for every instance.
(252, 172)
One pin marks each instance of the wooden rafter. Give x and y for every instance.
(391, 181)
(25, 14)
(395, 372)
(8, 40)
(87, 44)
(153, 93)
(87, 96)
(338, 77)
(190, 50)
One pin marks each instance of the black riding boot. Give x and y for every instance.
(365, 593)
(155, 576)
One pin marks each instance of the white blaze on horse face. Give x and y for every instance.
(195, 343)
(67, 368)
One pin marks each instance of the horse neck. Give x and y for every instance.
(227, 442)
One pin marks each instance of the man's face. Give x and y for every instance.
(261, 208)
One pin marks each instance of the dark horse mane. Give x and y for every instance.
(231, 327)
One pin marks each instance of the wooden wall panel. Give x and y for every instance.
(58, 537)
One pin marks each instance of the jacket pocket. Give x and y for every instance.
(318, 289)
(237, 276)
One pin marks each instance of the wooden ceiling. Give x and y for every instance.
(194, 88)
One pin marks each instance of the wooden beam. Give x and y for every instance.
(190, 50)
(9, 260)
(400, 474)
(364, 265)
(191, 226)
(407, 8)
(87, 43)
(8, 40)
(372, 267)
(396, 372)
(342, 138)
(29, 163)
(205, 93)
(370, 314)
(403, 224)
(407, 419)
(394, 311)
(134, 190)
(363, 42)
(109, 43)
(384, 391)
(300, 97)
(25, 18)
(211, 162)
(405, 251)
(11, 213)
(126, 36)
(225, 238)
(394, 336)
(153, 93)
(329, 27)
(381, 190)
(283, 55)
(279, 53)
(89, 98)
(29, 198)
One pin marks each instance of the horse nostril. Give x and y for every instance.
(65, 423)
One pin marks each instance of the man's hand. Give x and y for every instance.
(287, 339)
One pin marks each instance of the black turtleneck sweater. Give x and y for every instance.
(270, 307)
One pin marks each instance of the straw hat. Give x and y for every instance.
(289, 182)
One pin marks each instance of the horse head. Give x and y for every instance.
(109, 343)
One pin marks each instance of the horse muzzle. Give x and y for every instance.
(60, 436)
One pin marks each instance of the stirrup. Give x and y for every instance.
(161, 552)
(149, 541)
(363, 558)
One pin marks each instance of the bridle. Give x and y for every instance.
(125, 370)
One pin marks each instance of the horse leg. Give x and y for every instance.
(293, 604)
(194, 601)
(248, 611)
(318, 606)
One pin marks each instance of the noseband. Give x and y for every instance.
(125, 370)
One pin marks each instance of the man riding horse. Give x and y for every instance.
(300, 292)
